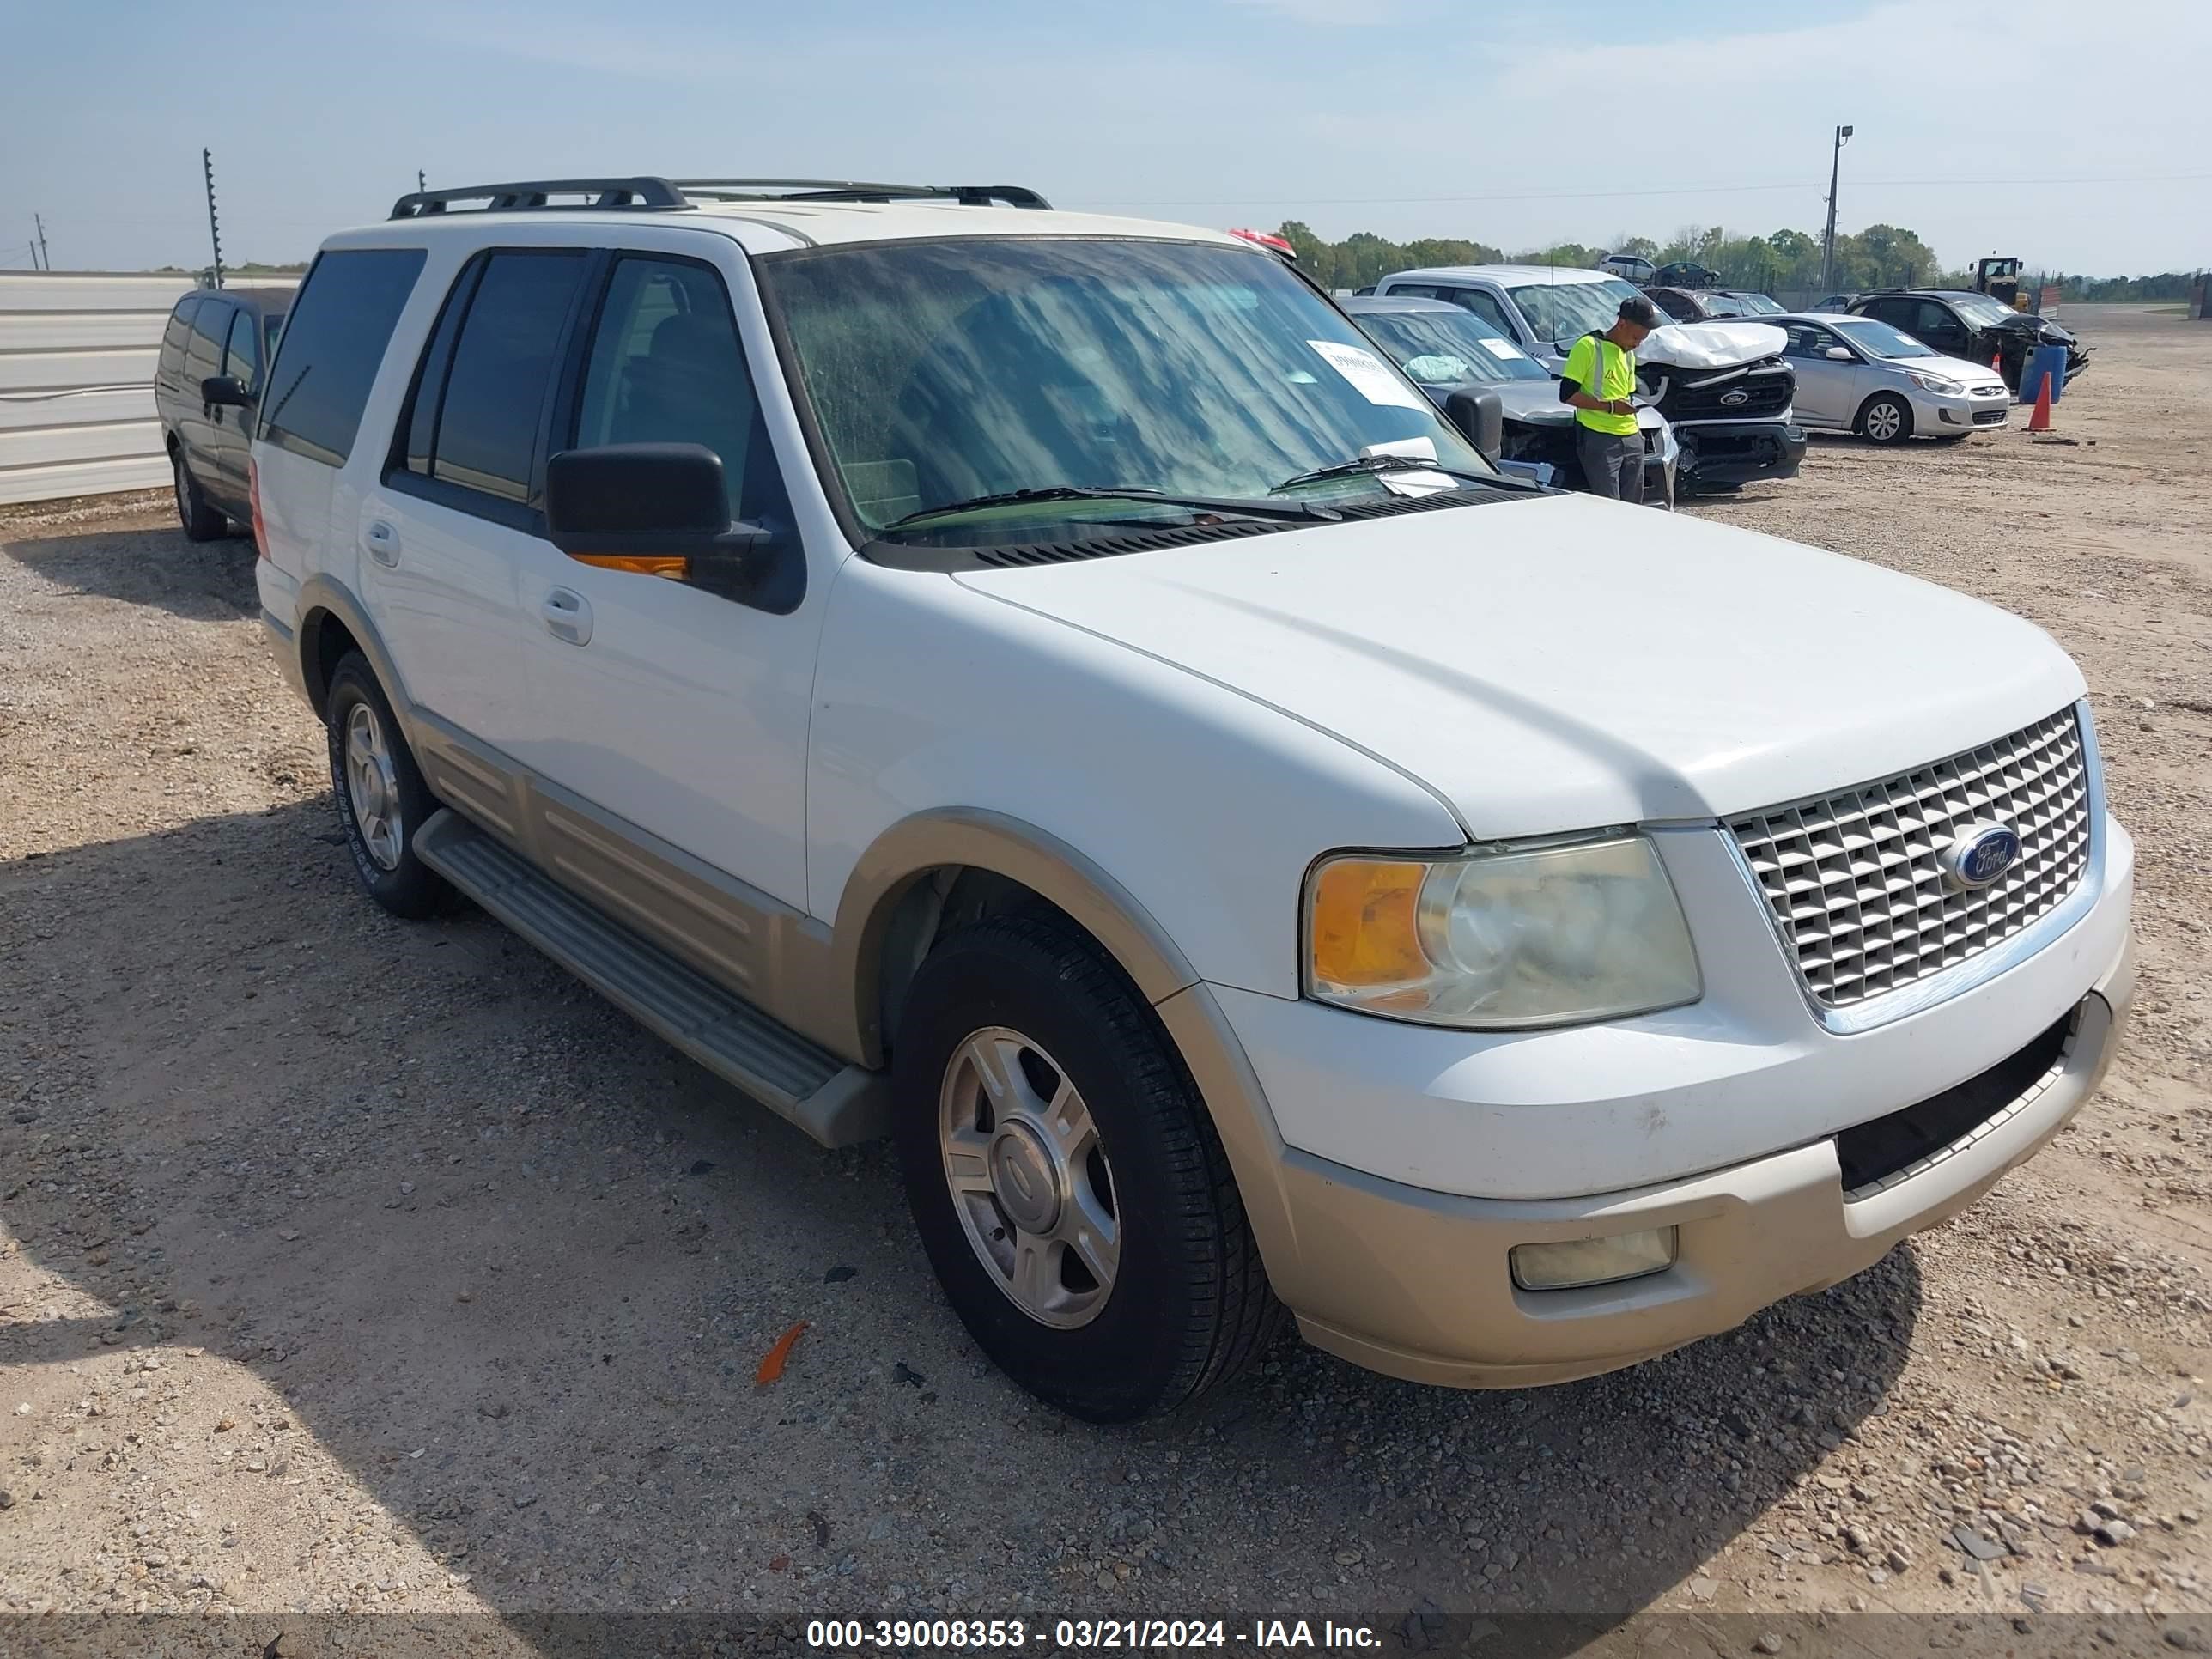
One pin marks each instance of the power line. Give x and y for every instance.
(1612, 195)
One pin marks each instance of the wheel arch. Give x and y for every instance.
(332, 623)
(932, 871)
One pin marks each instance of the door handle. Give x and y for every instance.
(383, 542)
(567, 615)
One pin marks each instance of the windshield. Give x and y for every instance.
(1723, 305)
(1759, 305)
(1981, 310)
(940, 371)
(1879, 339)
(1567, 311)
(1449, 348)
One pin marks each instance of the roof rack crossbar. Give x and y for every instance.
(528, 194)
(849, 190)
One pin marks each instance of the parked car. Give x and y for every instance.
(1859, 375)
(1962, 324)
(1836, 302)
(1629, 267)
(1689, 305)
(207, 379)
(1041, 686)
(1543, 309)
(1445, 347)
(1686, 273)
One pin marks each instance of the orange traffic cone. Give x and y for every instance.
(2040, 421)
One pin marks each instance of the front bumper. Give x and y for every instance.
(1390, 1271)
(1739, 452)
(1937, 414)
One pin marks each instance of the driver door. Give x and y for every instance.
(672, 709)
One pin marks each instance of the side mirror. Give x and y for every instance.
(1481, 418)
(225, 392)
(1839, 354)
(663, 510)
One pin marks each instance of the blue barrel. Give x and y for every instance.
(2048, 362)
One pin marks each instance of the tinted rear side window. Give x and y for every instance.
(334, 340)
(502, 366)
(203, 353)
(179, 328)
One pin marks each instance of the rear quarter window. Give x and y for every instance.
(333, 343)
(180, 329)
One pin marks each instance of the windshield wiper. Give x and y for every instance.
(1249, 509)
(1371, 464)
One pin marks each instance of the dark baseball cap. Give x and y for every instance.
(1639, 311)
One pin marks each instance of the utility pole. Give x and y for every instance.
(214, 235)
(45, 261)
(1828, 242)
(421, 183)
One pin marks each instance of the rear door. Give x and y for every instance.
(196, 426)
(675, 709)
(454, 516)
(231, 434)
(169, 366)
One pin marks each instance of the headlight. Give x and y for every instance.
(1548, 934)
(1935, 383)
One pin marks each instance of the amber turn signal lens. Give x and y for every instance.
(1365, 928)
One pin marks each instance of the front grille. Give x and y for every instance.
(1988, 417)
(1854, 878)
(1768, 391)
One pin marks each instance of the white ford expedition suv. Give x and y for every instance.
(1040, 687)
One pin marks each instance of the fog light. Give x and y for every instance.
(1582, 1262)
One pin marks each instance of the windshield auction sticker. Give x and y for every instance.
(1369, 378)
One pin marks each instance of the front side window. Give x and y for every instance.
(666, 366)
(241, 357)
(1485, 305)
(1567, 311)
(1807, 341)
(1449, 348)
(502, 366)
(333, 344)
(938, 372)
(1881, 340)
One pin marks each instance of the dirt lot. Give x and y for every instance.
(350, 1264)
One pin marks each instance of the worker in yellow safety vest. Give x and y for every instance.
(1599, 380)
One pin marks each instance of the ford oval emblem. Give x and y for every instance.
(1736, 398)
(1980, 854)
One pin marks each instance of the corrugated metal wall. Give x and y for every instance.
(77, 381)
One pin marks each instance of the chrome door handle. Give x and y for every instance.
(567, 616)
(383, 542)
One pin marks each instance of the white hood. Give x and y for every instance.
(1562, 663)
(1711, 345)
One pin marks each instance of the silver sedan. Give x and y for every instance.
(1858, 374)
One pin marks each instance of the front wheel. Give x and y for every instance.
(1884, 420)
(1066, 1178)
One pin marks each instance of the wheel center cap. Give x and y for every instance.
(1024, 1179)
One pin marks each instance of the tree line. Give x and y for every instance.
(1880, 255)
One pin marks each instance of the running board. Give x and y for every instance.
(837, 1104)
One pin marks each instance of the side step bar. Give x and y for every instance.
(836, 1103)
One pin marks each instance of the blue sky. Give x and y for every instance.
(2072, 133)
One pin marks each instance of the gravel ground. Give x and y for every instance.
(348, 1264)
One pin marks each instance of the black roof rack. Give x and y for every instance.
(532, 193)
(848, 190)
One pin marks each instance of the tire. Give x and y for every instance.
(201, 520)
(1184, 1304)
(381, 799)
(1885, 419)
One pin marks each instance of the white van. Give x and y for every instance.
(1039, 686)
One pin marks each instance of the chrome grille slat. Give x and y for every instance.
(1853, 879)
